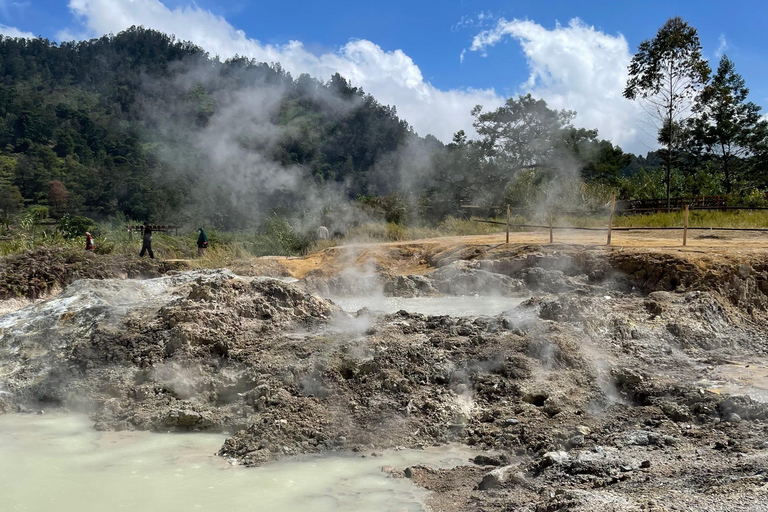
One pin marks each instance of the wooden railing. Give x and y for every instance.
(675, 203)
(154, 227)
(611, 210)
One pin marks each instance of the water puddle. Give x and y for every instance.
(57, 462)
(453, 306)
(749, 379)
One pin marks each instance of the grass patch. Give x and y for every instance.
(698, 218)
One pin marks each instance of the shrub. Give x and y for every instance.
(755, 199)
(75, 226)
(39, 212)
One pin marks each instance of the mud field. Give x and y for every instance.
(621, 379)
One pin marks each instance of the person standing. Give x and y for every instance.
(202, 243)
(88, 241)
(146, 245)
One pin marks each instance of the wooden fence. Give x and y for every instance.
(675, 203)
(159, 228)
(609, 227)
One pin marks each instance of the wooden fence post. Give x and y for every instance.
(685, 224)
(551, 236)
(610, 219)
(508, 219)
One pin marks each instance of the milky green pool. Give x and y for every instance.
(58, 463)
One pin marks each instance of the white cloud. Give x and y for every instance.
(14, 32)
(723, 47)
(391, 76)
(481, 19)
(579, 68)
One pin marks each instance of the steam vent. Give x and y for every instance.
(309, 257)
(592, 374)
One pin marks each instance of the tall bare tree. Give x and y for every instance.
(666, 74)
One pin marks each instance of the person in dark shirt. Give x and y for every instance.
(146, 245)
(202, 243)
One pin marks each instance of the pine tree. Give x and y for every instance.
(730, 128)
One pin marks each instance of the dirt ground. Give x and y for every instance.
(624, 378)
(411, 257)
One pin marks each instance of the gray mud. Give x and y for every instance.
(611, 387)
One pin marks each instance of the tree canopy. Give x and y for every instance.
(729, 128)
(667, 72)
(132, 123)
(142, 126)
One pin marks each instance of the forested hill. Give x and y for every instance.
(142, 125)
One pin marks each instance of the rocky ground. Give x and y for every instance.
(601, 391)
(44, 270)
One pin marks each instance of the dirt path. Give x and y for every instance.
(413, 256)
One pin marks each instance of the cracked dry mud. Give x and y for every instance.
(610, 388)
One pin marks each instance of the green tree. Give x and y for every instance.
(728, 127)
(74, 227)
(666, 73)
(522, 134)
(454, 180)
(606, 164)
(10, 200)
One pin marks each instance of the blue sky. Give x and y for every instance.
(410, 53)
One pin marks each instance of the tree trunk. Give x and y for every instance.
(669, 179)
(726, 170)
(670, 120)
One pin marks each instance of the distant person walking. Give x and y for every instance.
(202, 243)
(146, 245)
(88, 241)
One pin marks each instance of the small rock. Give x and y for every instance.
(555, 458)
(492, 480)
(744, 270)
(410, 472)
(675, 329)
(576, 440)
(518, 478)
(645, 464)
(583, 430)
(653, 308)
(496, 478)
(509, 422)
(648, 438)
(490, 460)
(733, 418)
